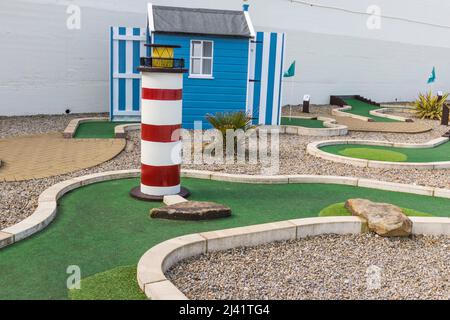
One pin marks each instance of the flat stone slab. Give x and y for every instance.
(192, 210)
(384, 219)
(171, 200)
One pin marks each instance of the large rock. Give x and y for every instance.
(192, 210)
(384, 219)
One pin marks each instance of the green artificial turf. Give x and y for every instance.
(374, 154)
(361, 108)
(307, 123)
(117, 284)
(381, 153)
(339, 209)
(97, 130)
(100, 227)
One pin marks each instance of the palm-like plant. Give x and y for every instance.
(224, 121)
(430, 107)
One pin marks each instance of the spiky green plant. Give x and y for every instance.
(429, 106)
(224, 121)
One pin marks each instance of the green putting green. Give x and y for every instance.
(100, 227)
(339, 209)
(361, 108)
(97, 130)
(307, 123)
(391, 154)
(374, 154)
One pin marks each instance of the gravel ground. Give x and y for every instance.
(323, 267)
(23, 126)
(19, 199)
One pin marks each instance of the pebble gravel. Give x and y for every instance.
(323, 267)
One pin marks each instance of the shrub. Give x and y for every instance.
(428, 107)
(230, 120)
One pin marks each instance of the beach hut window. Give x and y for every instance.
(201, 59)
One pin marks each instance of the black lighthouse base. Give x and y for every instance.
(137, 194)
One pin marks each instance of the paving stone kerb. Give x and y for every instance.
(332, 128)
(119, 131)
(383, 113)
(314, 149)
(341, 112)
(73, 125)
(378, 113)
(48, 200)
(365, 124)
(155, 262)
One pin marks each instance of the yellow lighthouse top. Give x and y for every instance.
(163, 55)
(162, 59)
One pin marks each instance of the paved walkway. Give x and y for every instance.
(47, 155)
(392, 127)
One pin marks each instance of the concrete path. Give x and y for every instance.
(47, 155)
(392, 127)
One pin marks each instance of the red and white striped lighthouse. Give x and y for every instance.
(161, 118)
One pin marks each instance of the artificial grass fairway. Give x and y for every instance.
(307, 123)
(339, 209)
(116, 284)
(361, 108)
(381, 153)
(97, 130)
(373, 154)
(100, 227)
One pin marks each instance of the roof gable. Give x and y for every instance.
(200, 21)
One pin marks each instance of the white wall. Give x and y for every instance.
(46, 68)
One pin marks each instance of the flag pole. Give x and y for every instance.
(290, 74)
(290, 105)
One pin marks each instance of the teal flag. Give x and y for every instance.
(433, 76)
(291, 71)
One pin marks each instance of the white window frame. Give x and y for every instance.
(191, 57)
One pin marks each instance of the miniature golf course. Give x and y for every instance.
(307, 123)
(391, 154)
(97, 130)
(361, 108)
(104, 231)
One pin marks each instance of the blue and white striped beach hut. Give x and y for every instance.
(231, 67)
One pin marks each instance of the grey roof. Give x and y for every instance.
(200, 21)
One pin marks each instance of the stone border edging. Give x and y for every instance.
(382, 114)
(314, 149)
(377, 113)
(119, 131)
(71, 129)
(332, 128)
(340, 112)
(155, 262)
(48, 200)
